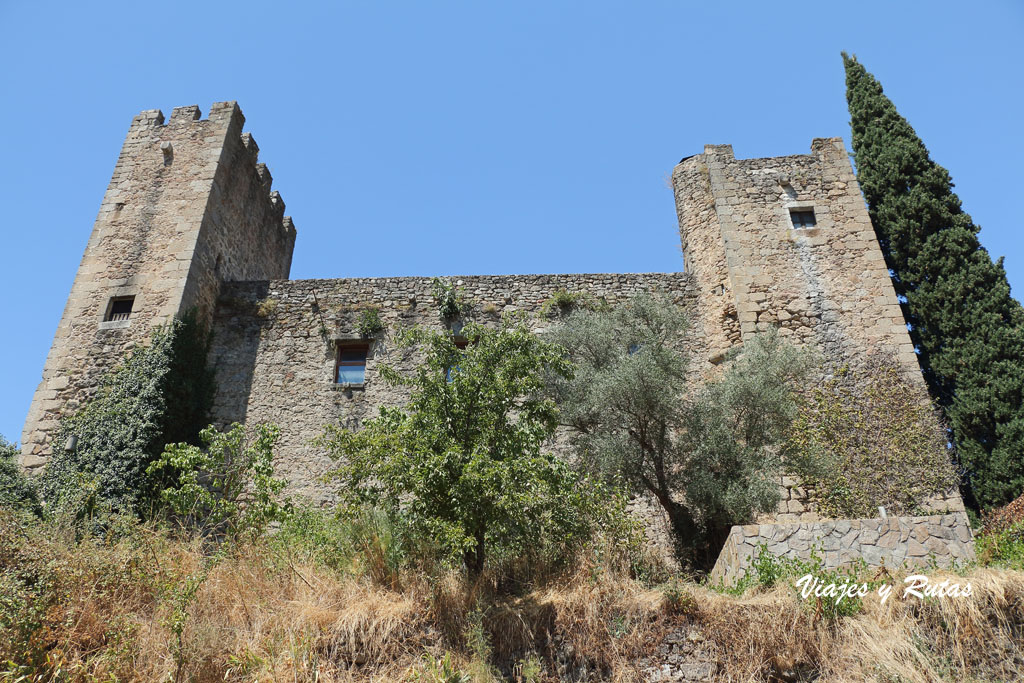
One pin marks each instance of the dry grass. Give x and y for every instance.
(261, 616)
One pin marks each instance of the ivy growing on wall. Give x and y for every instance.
(161, 393)
(864, 438)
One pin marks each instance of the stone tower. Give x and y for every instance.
(788, 241)
(188, 207)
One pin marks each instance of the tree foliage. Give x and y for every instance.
(967, 328)
(17, 491)
(710, 456)
(228, 486)
(463, 464)
(864, 439)
(160, 394)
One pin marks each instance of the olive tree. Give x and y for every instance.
(709, 454)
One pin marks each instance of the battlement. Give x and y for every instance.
(225, 118)
(189, 207)
(821, 148)
(228, 112)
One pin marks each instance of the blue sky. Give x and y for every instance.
(416, 138)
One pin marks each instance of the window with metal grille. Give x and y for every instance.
(352, 363)
(803, 218)
(120, 308)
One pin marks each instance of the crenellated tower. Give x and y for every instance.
(189, 207)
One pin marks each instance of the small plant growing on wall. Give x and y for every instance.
(447, 298)
(369, 322)
(562, 302)
(266, 307)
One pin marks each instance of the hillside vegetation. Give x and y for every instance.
(321, 601)
(463, 549)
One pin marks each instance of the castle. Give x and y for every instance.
(189, 221)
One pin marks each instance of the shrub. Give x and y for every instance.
(449, 301)
(159, 394)
(768, 570)
(17, 491)
(562, 302)
(369, 322)
(1003, 548)
(228, 487)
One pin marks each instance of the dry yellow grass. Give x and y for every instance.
(259, 616)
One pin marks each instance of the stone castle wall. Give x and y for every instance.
(186, 208)
(189, 220)
(275, 346)
(826, 287)
(797, 504)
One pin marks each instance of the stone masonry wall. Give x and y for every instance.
(826, 286)
(275, 346)
(181, 195)
(189, 220)
(797, 504)
(244, 235)
(893, 541)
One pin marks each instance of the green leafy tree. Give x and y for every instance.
(710, 456)
(16, 490)
(228, 486)
(462, 465)
(161, 393)
(967, 328)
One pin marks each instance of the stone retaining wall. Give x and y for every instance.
(892, 541)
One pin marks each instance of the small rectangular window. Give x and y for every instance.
(352, 364)
(120, 308)
(803, 218)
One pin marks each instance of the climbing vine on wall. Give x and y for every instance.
(864, 438)
(161, 393)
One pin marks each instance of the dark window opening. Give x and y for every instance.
(120, 308)
(803, 218)
(460, 344)
(352, 364)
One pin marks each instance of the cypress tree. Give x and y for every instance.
(968, 330)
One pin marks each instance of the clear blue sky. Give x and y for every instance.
(414, 138)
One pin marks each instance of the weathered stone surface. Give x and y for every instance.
(892, 542)
(174, 223)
